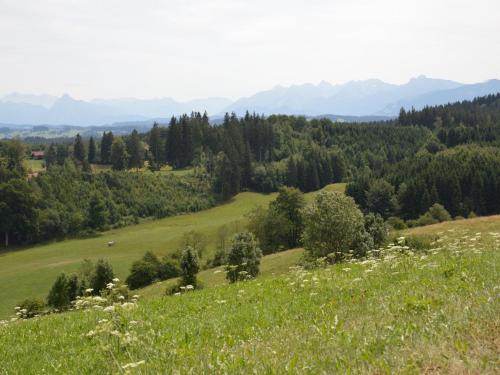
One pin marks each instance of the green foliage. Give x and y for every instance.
(243, 258)
(59, 296)
(119, 156)
(98, 213)
(92, 151)
(102, 275)
(381, 198)
(189, 267)
(396, 223)
(79, 149)
(377, 229)
(279, 227)
(31, 307)
(18, 214)
(168, 269)
(135, 150)
(142, 273)
(334, 225)
(106, 144)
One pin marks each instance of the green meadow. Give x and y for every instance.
(433, 311)
(31, 271)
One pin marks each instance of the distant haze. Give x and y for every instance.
(188, 49)
(370, 98)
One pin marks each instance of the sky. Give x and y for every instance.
(189, 49)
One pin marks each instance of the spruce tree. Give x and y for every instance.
(92, 151)
(79, 149)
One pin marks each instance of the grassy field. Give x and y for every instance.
(430, 312)
(31, 272)
(34, 166)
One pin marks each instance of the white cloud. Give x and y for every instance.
(196, 48)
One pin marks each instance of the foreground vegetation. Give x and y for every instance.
(434, 310)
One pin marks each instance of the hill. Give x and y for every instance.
(31, 272)
(435, 311)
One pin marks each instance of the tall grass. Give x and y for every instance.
(434, 311)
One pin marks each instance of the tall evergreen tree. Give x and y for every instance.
(92, 151)
(106, 144)
(79, 149)
(155, 144)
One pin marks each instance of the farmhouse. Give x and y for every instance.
(37, 155)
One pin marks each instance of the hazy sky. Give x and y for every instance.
(198, 48)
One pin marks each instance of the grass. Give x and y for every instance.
(413, 313)
(31, 272)
(34, 166)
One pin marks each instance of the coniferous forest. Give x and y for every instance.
(401, 169)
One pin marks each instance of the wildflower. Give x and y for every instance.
(221, 301)
(133, 364)
(189, 287)
(115, 280)
(109, 308)
(89, 290)
(136, 296)
(177, 294)
(129, 305)
(346, 269)
(110, 286)
(121, 298)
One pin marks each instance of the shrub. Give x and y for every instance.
(396, 223)
(426, 219)
(333, 224)
(439, 213)
(243, 258)
(189, 267)
(31, 307)
(168, 269)
(376, 227)
(142, 273)
(59, 295)
(102, 275)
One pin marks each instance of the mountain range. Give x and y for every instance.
(372, 98)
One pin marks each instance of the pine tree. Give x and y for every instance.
(189, 267)
(106, 144)
(79, 149)
(51, 156)
(155, 144)
(92, 151)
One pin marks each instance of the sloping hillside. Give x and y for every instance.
(434, 311)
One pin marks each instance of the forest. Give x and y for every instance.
(441, 159)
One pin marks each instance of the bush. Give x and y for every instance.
(31, 307)
(439, 213)
(142, 273)
(243, 258)
(168, 269)
(59, 296)
(189, 267)
(102, 275)
(376, 227)
(419, 243)
(333, 225)
(426, 219)
(396, 223)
